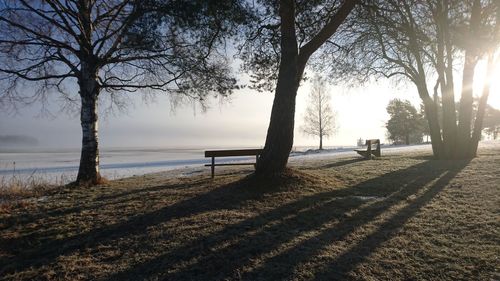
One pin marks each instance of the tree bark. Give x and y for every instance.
(320, 109)
(279, 138)
(88, 172)
(431, 114)
(464, 140)
(481, 109)
(465, 110)
(447, 85)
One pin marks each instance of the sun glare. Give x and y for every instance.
(495, 87)
(494, 98)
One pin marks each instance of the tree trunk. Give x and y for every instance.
(445, 72)
(449, 122)
(279, 140)
(407, 139)
(481, 109)
(88, 172)
(464, 140)
(320, 108)
(431, 114)
(465, 110)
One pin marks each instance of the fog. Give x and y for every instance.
(240, 121)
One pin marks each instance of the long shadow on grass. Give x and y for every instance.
(342, 163)
(424, 187)
(117, 198)
(340, 267)
(250, 239)
(271, 245)
(32, 250)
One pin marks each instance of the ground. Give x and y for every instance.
(401, 217)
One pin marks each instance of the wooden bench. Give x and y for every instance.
(368, 152)
(231, 153)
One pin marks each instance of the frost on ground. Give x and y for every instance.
(403, 216)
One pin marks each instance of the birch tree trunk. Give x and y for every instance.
(88, 172)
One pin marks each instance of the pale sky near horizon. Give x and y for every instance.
(241, 122)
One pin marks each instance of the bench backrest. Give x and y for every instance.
(369, 149)
(372, 141)
(237, 152)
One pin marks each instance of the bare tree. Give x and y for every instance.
(319, 118)
(111, 47)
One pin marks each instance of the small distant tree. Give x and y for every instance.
(406, 124)
(360, 142)
(319, 119)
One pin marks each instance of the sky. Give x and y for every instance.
(240, 122)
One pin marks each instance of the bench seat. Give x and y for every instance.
(231, 153)
(368, 152)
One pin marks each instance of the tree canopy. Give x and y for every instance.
(275, 48)
(112, 47)
(425, 42)
(405, 125)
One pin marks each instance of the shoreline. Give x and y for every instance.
(127, 167)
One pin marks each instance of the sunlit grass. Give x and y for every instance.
(400, 217)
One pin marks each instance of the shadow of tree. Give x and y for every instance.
(267, 246)
(343, 163)
(343, 264)
(271, 245)
(29, 254)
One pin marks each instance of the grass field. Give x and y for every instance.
(400, 217)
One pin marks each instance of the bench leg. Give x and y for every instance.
(213, 167)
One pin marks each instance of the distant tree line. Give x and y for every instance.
(18, 140)
(406, 125)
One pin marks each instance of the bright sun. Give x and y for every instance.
(494, 98)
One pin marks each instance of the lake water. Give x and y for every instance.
(62, 165)
(115, 163)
